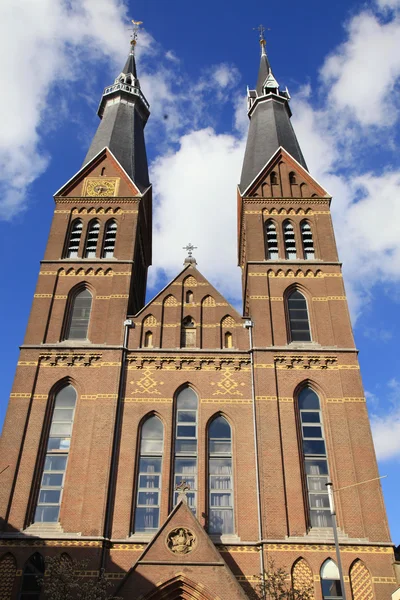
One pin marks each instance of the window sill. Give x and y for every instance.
(227, 539)
(142, 537)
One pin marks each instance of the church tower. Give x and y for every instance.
(178, 445)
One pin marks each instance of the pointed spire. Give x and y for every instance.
(270, 126)
(124, 111)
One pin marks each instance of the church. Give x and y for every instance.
(179, 445)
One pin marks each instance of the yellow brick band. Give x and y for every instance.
(259, 297)
(59, 297)
(326, 298)
(20, 395)
(225, 400)
(27, 363)
(98, 396)
(161, 400)
(335, 400)
(266, 398)
(42, 295)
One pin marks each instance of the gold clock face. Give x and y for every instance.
(101, 186)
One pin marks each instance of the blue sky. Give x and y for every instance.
(341, 63)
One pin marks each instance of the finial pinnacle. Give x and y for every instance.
(135, 32)
(190, 258)
(261, 29)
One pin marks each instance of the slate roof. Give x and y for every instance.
(270, 128)
(122, 131)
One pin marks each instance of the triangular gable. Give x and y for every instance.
(279, 155)
(73, 187)
(184, 555)
(188, 269)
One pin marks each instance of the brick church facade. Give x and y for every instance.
(116, 402)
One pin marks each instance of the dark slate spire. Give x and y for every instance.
(270, 125)
(124, 111)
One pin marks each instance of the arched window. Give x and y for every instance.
(8, 568)
(110, 235)
(148, 339)
(315, 458)
(33, 571)
(272, 240)
(228, 340)
(299, 325)
(189, 297)
(79, 316)
(185, 463)
(55, 463)
(147, 513)
(74, 238)
(307, 238)
(292, 178)
(220, 483)
(290, 240)
(92, 239)
(188, 333)
(274, 178)
(330, 581)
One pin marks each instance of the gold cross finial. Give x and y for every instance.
(261, 30)
(135, 31)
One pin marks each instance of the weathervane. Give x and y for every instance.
(135, 31)
(189, 249)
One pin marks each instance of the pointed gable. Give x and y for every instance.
(103, 176)
(186, 558)
(283, 176)
(192, 303)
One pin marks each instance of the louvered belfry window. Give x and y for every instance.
(74, 238)
(110, 237)
(299, 324)
(308, 242)
(290, 240)
(272, 240)
(80, 309)
(92, 239)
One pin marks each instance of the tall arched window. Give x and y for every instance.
(79, 316)
(299, 324)
(31, 586)
(110, 236)
(315, 458)
(147, 513)
(188, 333)
(74, 238)
(307, 238)
(92, 238)
(185, 463)
(228, 339)
(272, 240)
(55, 463)
(290, 240)
(220, 483)
(330, 581)
(189, 297)
(148, 339)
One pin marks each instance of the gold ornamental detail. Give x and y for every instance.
(147, 384)
(101, 186)
(181, 540)
(227, 385)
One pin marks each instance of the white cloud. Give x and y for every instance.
(385, 422)
(43, 44)
(196, 202)
(361, 74)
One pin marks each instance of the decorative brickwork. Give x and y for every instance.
(302, 577)
(361, 583)
(8, 569)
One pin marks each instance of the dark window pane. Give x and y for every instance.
(314, 447)
(186, 431)
(319, 501)
(186, 416)
(80, 314)
(152, 429)
(312, 432)
(308, 399)
(52, 479)
(331, 588)
(310, 417)
(220, 428)
(150, 465)
(55, 463)
(146, 518)
(186, 446)
(149, 481)
(148, 498)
